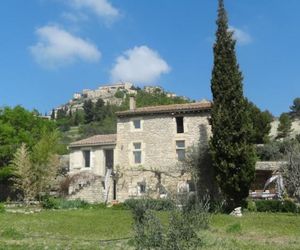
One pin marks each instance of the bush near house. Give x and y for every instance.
(286, 206)
(2, 208)
(57, 203)
(152, 204)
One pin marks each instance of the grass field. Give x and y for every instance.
(111, 229)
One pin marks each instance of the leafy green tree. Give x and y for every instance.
(261, 123)
(119, 94)
(285, 126)
(295, 108)
(36, 170)
(17, 126)
(22, 167)
(89, 113)
(233, 154)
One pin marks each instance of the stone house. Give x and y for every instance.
(143, 157)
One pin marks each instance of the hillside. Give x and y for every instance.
(112, 94)
(93, 112)
(295, 128)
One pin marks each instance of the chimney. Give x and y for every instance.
(132, 104)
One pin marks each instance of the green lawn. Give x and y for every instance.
(110, 229)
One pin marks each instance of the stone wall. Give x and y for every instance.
(269, 165)
(158, 136)
(92, 193)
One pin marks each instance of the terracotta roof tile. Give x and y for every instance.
(96, 140)
(177, 108)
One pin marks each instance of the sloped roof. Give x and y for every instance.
(164, 109)
(96, 140)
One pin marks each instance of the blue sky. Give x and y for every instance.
(53, 48)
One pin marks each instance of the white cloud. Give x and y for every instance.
(102, 8)
(57, 47)
(75, 18)
(140, 65)
(240, 36)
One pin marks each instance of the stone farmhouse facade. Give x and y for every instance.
(144, 156)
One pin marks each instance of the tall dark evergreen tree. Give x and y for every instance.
(285, 126)
(53, 114)
(88, 108)
(295, 108)
(99, 110)
(261, 122)
(233, 154)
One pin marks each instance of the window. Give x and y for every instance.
(141, 187)
(137, 153)
(192, 187)
(179, 124)
(180, 150)
(87, 158)
(137, 124)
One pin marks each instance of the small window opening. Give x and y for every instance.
(179, 123)
(137, 153)
(142, 187)
(192, 187)
(87, 158)
(137, 124)
(180, 150)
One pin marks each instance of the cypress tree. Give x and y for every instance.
(233, 154)
(89, 112)
(99, 110)
(285, 126)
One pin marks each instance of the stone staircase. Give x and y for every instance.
(90, 188)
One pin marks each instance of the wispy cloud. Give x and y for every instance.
(140, 65)
(57, 47)
(75, 18)
(242, 37)
(101, 8)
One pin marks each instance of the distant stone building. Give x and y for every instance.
(105, 92)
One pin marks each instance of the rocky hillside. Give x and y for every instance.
(295, 128)
(113, 94)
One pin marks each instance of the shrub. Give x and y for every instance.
(2, 208)
(181, 232)
(286, 206)
(119, 206)
(148, 232)
(67, 204)
(119, 94)
(57, 203)
(50, 203)
(152, 204)
(272, 151)
(251, 206)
